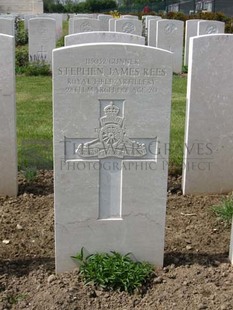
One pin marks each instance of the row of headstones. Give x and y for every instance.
(93, 22)
(7, 22)
(110, 188)
(44, 30)
(162, 33)
(104, 22)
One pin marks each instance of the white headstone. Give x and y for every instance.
(210, 27)
(103, 36)
(7, 26)
(83, 16)
(42, 39)
(26, 19)
(149, 28)
(104, 21)
(129, 26)
(72, 18)
(110, 178)
(151, 32)
(8, 154)
(147, 18)
(112, 24)
(86, 25)
(64, 17)
(71, 25)
(169, 36)
(190, 31)
(208, 134)
(59, 23)
(129, 17)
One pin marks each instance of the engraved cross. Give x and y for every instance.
(112, 148)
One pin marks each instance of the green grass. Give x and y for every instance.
(34, 122)
(65, 28)
(224, 210)
(177, 123)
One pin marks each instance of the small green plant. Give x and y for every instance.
(21, 56)
(185, 69)
(113, 271)
(30, 174)
(115, 14)
(14, 299)
(60, 42)
(224, 210)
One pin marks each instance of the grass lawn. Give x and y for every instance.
(177, 123)
(34, 122)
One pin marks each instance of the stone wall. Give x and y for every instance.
(21, 6)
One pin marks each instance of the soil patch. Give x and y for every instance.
(196, 273)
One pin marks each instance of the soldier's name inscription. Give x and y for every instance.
(103, 76)
(114, 71)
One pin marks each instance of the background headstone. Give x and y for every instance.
(129, 26)
(64, 17)
(150, 26)
(169, 36)
(210, 27)
(104, 21)
(59, 23)
(190, 31)
(8, 144)
(26, 19)
(71, 25)
(112, 24)
(7, 26)
(86, 25)
(114, 199)
(209, 132)
(129, 17)
(41, 39)
(152, 32)
(103, 36)
(73, 17)
(147, 18)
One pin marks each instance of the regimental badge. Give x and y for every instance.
(112, 140)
